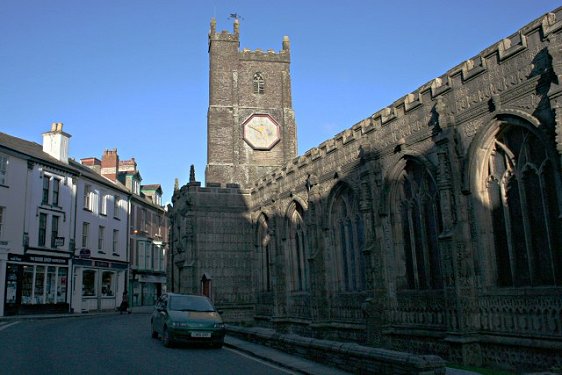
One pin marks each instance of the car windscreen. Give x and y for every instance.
(190, 303)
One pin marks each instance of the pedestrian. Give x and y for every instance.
(124, 307)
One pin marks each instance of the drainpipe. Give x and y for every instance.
(71, 280)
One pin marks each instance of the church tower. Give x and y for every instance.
(250, 121)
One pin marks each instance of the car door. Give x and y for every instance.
(160, 314)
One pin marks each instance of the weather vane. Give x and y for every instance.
(235, 16)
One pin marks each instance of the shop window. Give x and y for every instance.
(12, 283)
(27, 285)
(62, 284)
(107, 284)
(51, 285)
(89, 283)
(39, 284)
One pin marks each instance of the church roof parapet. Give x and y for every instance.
(427, 94)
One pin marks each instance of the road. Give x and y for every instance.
(111, 344)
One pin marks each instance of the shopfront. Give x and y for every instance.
(36, 284)
(98, 284)
(147, 288)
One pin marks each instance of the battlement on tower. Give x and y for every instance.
(246, 54)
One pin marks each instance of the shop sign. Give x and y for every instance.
(59, 241)
(85, 253)
(101, 264)
(37, 259)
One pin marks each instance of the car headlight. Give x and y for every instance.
(219, 325)
(179, 324)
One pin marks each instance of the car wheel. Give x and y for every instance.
(218, 344)
(154, 334)
(166, 339)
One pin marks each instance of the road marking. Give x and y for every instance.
(8, 325)
(262, 361)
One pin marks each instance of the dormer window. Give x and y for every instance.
(136, 186)
(259, 84)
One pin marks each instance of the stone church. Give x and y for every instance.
(432, 226)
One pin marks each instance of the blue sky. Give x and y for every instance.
(133, 74)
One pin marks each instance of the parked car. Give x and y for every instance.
(187, 318)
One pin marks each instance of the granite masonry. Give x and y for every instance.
(432, 227)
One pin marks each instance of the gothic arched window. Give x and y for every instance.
(420, 221)
(297, 249)
(348, 242)
(263, 255)
(523, 203)
(259, 84)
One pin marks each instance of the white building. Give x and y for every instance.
(63, 230)
(101, 257)
(37, 207)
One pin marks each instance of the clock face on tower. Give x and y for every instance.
(261, 132)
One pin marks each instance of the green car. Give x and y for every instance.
(187, 318)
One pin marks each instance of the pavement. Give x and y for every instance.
(276, 357)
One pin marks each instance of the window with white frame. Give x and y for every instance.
(161, 260)
(54, 230)
(88, 197)
(46, 185)
(136, 186)
(42, 230)
(1, 220)
(141, 255)
(3, 169)
(56, 192)
(101, 234)
(85, 232)
(115, 241)
(116, 207)
(103, 203)
(155, 258)
(148, 255)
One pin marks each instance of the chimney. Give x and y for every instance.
(92, 163)
(55, 142)
(110, 164)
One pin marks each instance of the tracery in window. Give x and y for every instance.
(420, 222)
(297, 248)
(259, 84)
(348, 241)
(523, 202)
(264, 255)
